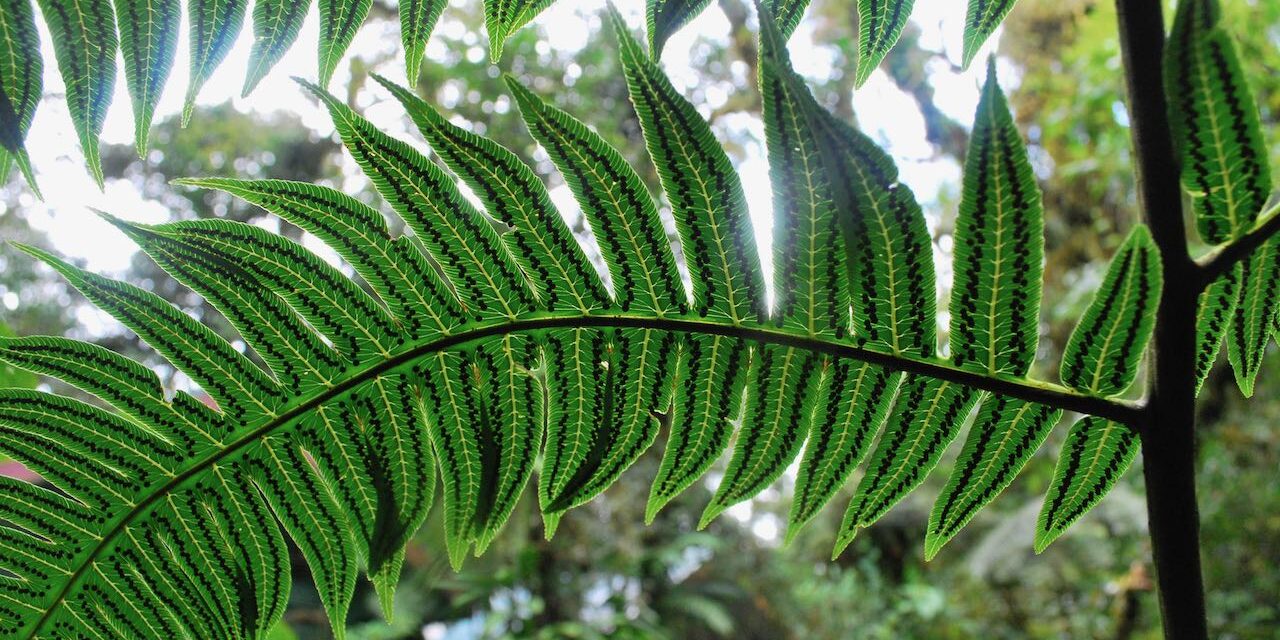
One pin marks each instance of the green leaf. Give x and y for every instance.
(999, 246)
(786, 14)
(928, 415)
(514, 195)
(21, 83)
(634, 390)
(10, 376)
(91, 455)
(615, 202)
(417, 19)
(295, 354)
(854, 400)
(451, 391)
(339, 21)
(261, 556)
(888, 251)
(460, 347)
(781, 397)
(148, 40)
(811, 292)
(1214, 312)
(516, 405)
(1255, 312)
(242, 390)
(663, 18)
(374, 453)
(579, 371)
(397, 271)
(981, 20)
(1215, 124)
(704, 191)
(487, 427)
(1106, 347)
(887, 245)
(880, 22)
(357, 325)
(305, 506)
(45, 513)
(504, 17)
(479, 267)
(1004, 436)
(1094, 456)
(127, 386)
(84, 42)
(214, 27)
(708, 386)
(275, 28)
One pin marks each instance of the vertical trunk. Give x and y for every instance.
(1168, 442)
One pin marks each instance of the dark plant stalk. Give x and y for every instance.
(1168, 431)
(1221, 260)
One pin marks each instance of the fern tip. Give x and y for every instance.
(315, 89)
(1245, 382)
(712, 511)
(551, 522)
(385, 586)
(1042, 542)
(933, 543)
(31, 181)
(36, 252)
(651, 511)
(793, 530)
(496, 41)
(842, 543)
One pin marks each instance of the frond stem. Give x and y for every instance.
(1218, 261)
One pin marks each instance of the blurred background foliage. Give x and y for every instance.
(605, 575)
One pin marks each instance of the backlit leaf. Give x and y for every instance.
(84, 42)
(1096, 453)
(1106, 347)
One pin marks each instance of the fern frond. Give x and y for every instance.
(1096, 453)
(981, 20)
(1104, 350)
(215, 25)
(665, 17)
(84, 42)
(704, 191)
(148, 42)
(417, 20)
(339, 20)
(492, 343)
(21, 84)
(504, 17)
(1215, 124)
(275, 28)
(513, 194)
(616, 203)
(880, 23)
(1215, 311)
(1255, 310)
(86, 34)
(999, 246)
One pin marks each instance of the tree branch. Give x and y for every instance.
(1218, 261)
